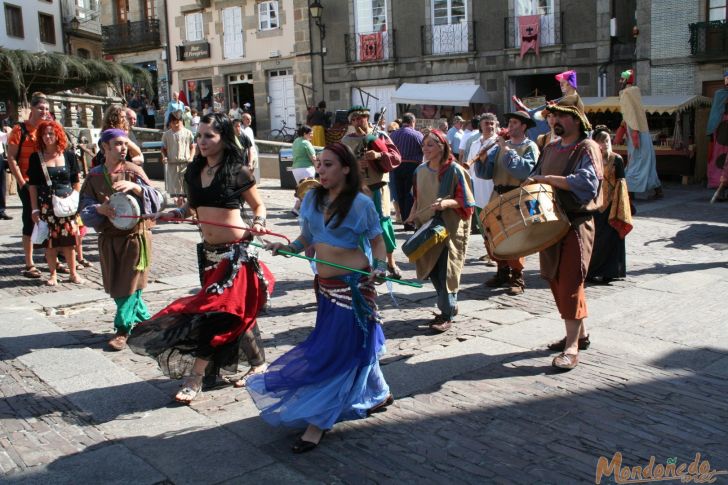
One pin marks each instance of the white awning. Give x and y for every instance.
(437, 94)
(653, 104)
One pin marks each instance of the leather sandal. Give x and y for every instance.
(565, 361)
(243, 381)
(62, 269)
(560, 345)
(394, 272)
(382, 406)
(31, 272)
(118, 342)
(191, 389)
(440, 325)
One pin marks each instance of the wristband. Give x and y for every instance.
(296, 246)
(379, 264)
(259, 220)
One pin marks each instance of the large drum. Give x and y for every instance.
(523, 221)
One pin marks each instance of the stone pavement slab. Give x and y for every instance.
(478, 404)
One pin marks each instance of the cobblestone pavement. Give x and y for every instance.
(477, 404)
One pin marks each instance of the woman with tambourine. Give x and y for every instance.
(54, 186)
(125, 244)
(199, 336)
(445, 203)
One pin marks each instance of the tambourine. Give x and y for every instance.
(127, 206)
(304, 186)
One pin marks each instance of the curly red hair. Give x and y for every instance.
(61, 140)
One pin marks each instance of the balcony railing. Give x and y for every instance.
(88, 18)
(709, 39)
(370, 46)
(448, 39)
(551, 31)
(131, 36)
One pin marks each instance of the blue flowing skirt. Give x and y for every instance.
(332, 376)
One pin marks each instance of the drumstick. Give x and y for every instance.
(341, 266)
(716, 194)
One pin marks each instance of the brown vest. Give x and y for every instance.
(562, 162)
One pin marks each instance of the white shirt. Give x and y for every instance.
(482, 189)
(464, 140)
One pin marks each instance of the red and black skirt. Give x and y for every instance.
(218, 323)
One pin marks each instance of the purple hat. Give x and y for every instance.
(110, 134)
(569, 76)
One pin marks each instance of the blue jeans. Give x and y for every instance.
(446, 302)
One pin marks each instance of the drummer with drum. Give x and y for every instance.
(508, 165)
(573, 167)
(125, 244)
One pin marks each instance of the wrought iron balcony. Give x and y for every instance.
(551, 30)
(131, 36)
(370, 46)
(709, 39)
(448, 39)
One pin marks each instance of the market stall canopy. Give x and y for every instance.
(437, 94)
(669, 103)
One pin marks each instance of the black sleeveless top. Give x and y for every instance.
(224, 192)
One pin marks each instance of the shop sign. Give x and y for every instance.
(198, 50)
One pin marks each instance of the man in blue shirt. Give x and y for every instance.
(409, 143)
(455, 134)
(174, 105)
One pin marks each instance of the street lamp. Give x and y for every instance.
(316, 10)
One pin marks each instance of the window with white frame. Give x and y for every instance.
(371, 16)
(268, 15)
(448, 12)
(232, 27)
(717, 9)
(193, 23)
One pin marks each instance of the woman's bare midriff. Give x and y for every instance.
(353, 258)
(220, 235)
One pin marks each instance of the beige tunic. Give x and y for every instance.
(119, 250)
(427, 189)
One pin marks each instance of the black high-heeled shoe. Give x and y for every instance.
(302, 446)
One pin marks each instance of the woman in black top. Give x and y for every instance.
(62, 171)
(200, 335)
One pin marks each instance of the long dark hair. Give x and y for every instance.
(232, 154)
(352, 184)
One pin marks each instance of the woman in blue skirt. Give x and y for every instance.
(334, 374)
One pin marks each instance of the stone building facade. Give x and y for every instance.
(373, 46)
(255, 53)
(135, 32)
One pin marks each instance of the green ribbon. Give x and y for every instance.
(413, 284)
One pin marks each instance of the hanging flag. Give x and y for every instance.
(529, 29)
(371, 47)
(183, 97)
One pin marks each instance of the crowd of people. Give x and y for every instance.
(440, 180)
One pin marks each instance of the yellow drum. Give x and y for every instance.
(523, 221)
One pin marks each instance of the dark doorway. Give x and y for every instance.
(537, 85)
(242, 93)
